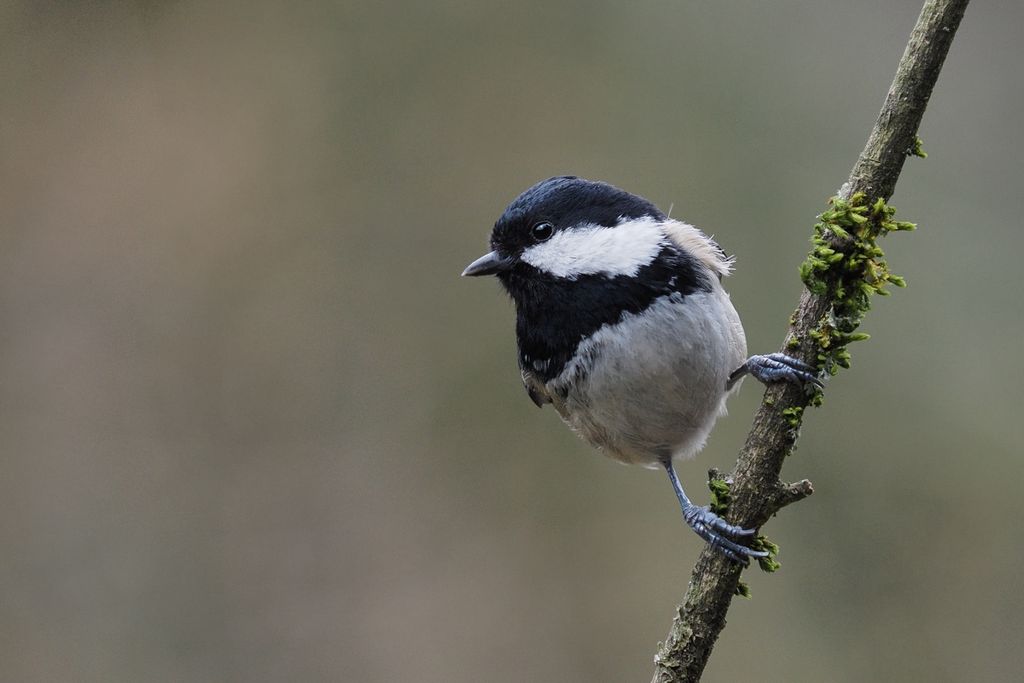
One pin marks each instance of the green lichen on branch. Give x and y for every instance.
(917, 149)
(847, 265)
(793, 416)
(768, 564)
(720, 496)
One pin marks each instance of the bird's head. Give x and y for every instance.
(567, 227)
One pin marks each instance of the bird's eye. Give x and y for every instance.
(542, 231)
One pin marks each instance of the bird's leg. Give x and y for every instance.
(711, 527)
(775, 367)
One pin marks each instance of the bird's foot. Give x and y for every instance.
(776, 367)
(716, 532)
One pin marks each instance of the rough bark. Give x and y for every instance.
(756, 490)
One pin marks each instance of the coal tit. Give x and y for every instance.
(623, 326)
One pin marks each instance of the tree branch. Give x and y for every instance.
(843, 269)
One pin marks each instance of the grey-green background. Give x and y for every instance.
(255, 428)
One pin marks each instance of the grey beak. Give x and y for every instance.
(488, 264)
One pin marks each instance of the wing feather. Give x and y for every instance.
(535, 388)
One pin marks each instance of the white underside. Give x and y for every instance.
(653, 384)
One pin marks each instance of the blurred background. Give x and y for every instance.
(254, 427)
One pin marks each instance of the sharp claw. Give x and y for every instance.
(723, 543)
(776, 367)
(738, 559)
(706, 523)
(794, 363)
(709, 518)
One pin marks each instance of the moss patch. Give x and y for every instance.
(720, 496)
(771, 563)
(847, 265)
(917, 149)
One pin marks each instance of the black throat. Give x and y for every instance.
(555, 314)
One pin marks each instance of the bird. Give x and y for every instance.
(624, 327)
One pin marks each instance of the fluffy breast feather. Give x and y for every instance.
(653, 383)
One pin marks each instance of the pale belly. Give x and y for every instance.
(652, 386)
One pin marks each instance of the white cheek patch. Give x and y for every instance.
(591, 249)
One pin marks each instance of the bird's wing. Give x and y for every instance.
(535, 388)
